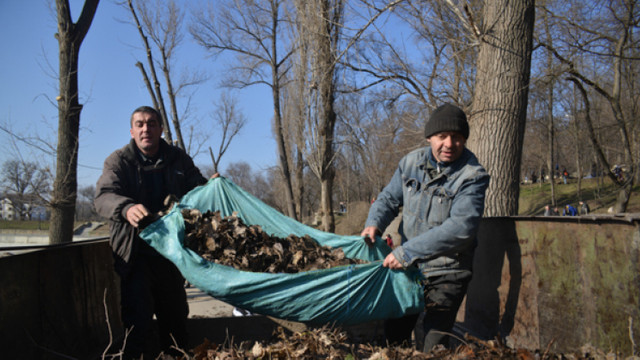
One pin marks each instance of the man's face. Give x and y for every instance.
(146, 132)
(447, 146)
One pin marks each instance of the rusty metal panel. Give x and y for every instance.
(53, 302)
(561, 282)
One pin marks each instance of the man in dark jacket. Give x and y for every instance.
(134, 183)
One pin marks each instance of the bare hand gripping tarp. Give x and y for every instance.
(341, 295)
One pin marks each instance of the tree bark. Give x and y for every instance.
(299, 176)
(172, 99)
(279, 129)
(156, 92)
(64, 194)
(500, 99)
(331, 12)
(551, 127)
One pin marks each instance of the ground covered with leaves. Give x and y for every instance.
(228, 241)
(327, 343)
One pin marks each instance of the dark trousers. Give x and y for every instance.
(154, 286)
(443, 295)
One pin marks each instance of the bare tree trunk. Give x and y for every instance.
(578, 148)
(331, 12)
(299, 171)
(550, 122)
(156, 92)
(63, 197)
(156, 105)
(500, 99)
(279, 130)
(552, 139)
(326, 193)
(229, 121)
(213, 161)
(172, 99)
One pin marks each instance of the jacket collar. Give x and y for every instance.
(132, 151)
(443, 167)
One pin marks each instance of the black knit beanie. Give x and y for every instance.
(447, 117)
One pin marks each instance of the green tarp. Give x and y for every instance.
(341, 295)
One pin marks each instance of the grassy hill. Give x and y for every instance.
(533, 197)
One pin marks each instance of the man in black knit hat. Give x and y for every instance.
(441, 190)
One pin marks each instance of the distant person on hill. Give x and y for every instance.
(134, 183)
(389, 240)
(584, 208)
(617, 170)
(547, 210)
(569, 211)
(441, 189)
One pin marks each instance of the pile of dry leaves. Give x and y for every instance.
(326, 343)
(228, 241)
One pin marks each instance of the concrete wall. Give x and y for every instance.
(560, 282)
(17, 237)
(53, 302)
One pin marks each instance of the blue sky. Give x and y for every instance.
(110, 88)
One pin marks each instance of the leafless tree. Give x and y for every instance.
(604, 36)
(550, 83)
(230, 120)
(86, 209)
(322, 22)
(535, 147)
(159, 23)
(25, 183)
(253, 31)
(240, 173)
(25, 177)
(294, 110)
(491, 40)
(63, 198)
(446, 63)
(373, 138)
(251, 181)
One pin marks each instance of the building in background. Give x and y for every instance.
(7, 210)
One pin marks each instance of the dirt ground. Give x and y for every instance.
(352, 222)
(203, 305)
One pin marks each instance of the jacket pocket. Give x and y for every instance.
(414, 207)
(440, 200)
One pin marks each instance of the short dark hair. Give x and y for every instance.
(147, 110)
